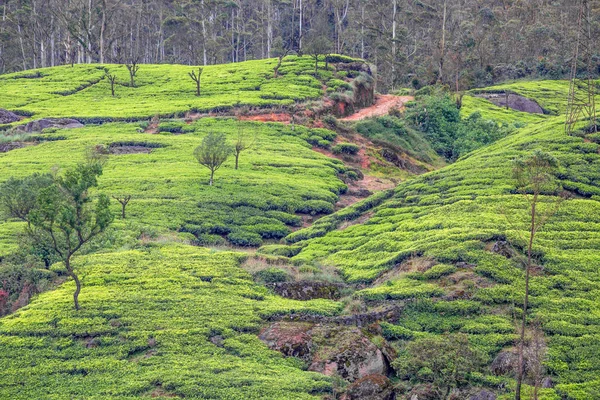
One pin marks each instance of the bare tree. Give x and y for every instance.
(535, 353)
(242, 142)
(123, 200)
(133, 69)
(196, 78)
(534, 176)
(112, 79)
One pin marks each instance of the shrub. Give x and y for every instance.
(345, 148)
(280, 250)
(207, 239)
(272, 275)
(316, 207)
(174, 127)
(268, 231)
(245, 239)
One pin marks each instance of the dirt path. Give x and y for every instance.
(383, 104)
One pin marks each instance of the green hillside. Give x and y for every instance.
(159, 89)
(172, 299)
(279, 176)
(451, 217)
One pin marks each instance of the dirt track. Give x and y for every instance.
(383, 104)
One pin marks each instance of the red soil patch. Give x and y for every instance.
(383, 104)
(272, 117)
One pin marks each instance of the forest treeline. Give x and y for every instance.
(463, 43)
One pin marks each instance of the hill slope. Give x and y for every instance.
(162, 317)
(433, 238)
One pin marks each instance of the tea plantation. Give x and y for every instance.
(145, 330)
(453, 216)
(170, 307)
(159, 89)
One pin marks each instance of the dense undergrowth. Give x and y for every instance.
(452, 217)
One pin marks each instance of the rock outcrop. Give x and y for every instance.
(6, 147)
(7, 117)
(330, 350)
(45, 123)
(514, 101)
(290, 339)
(370, 387)
(306, 290)
(504, 363)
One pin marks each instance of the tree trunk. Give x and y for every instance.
(73, 275)
(123, 205)
(300, 27)
(443, 45)
(212, 174)
(526, 302)
(237, 157)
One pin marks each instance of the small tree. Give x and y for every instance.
(123, 200)
(534, 176)
(133, 69)
(196, 78)
(317, 46)
(242, 142)
(67, 218)
(113, 80)
(445, 361)
(212, 153)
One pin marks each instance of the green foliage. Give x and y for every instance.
(435, 272)
(244, 238)
(446, 361)
(18, 197)
(174, 127)
(475, 132)
(272, 275)
(401, 289)
(345, 148)
(394, 130)
(437, 117)
(213, 152)
(454, 216)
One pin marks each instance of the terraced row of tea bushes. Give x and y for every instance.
(278, 177)
(453, 216)
(162, 321)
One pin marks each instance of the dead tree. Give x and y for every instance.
(279, 61)
(535, 176)
(113, 80)
(133, 69)
(123, 200)
(196, 78)
(243, 142)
